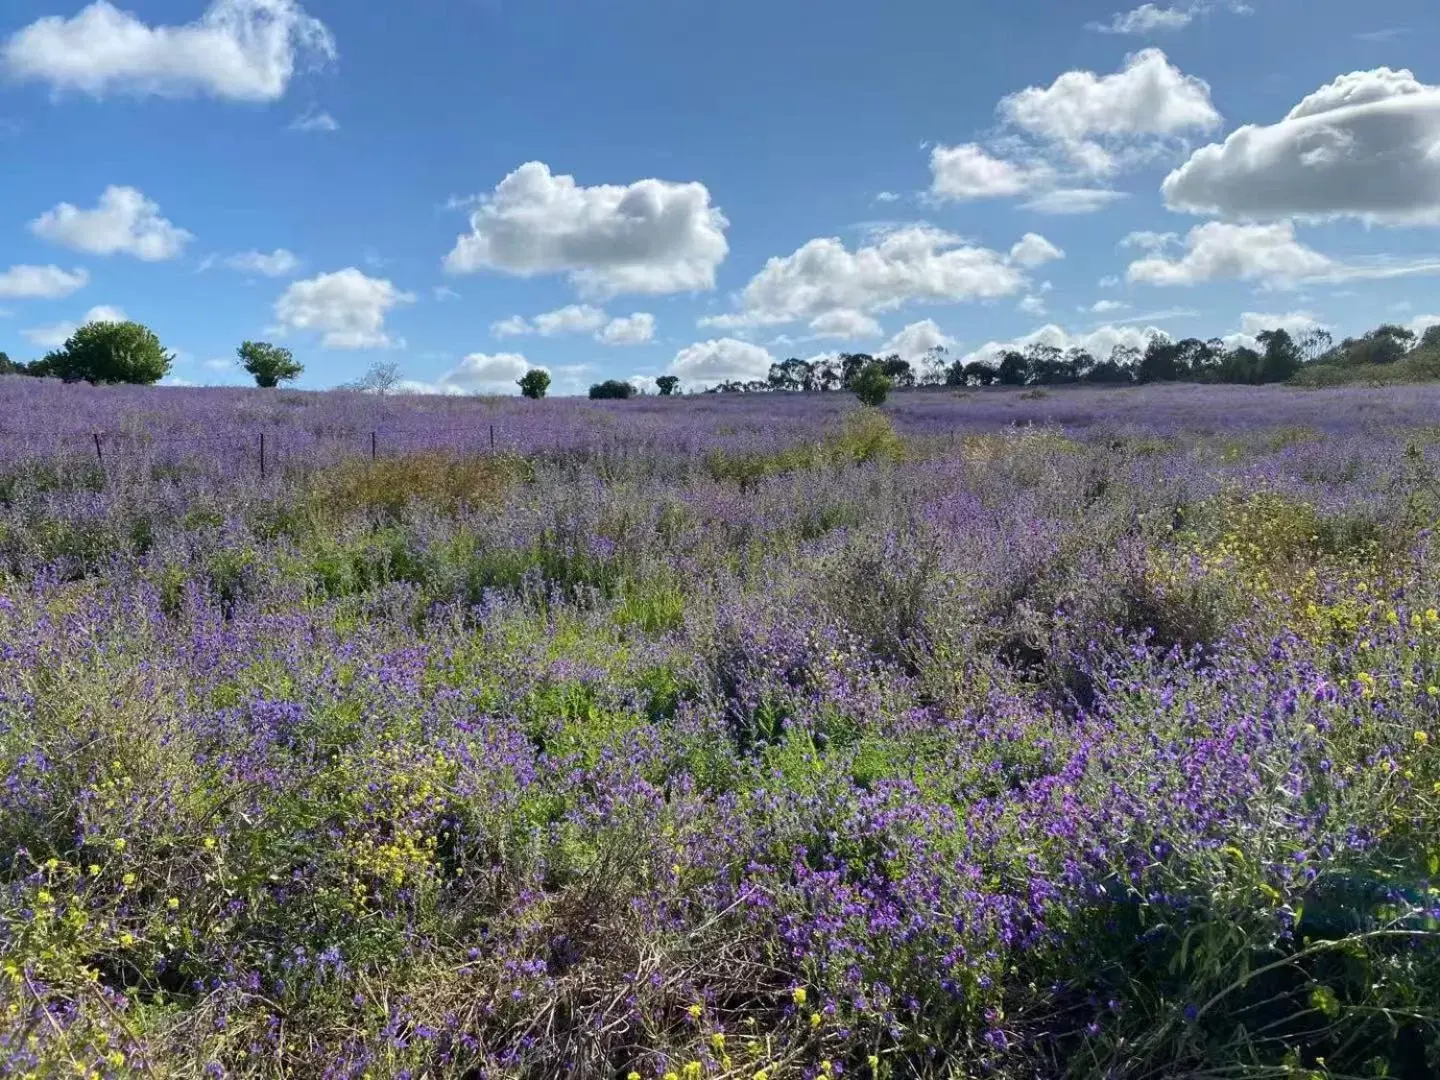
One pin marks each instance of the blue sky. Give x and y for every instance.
(468, 187)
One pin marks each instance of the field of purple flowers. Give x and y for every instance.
(1077, 733)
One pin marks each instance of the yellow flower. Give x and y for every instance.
(128, 879)
(695, 1011)
(633, 1076)
(118, 844)
(693, 1070)
(814, 1019)
(93, 870)
(717, 1041)
(127, 938)
(799, 995)
(172, 903)
(762, 1075)
(672, 1076)
(1431, 615)
(1433, 691)
(1422, 738)
(827, 1068)
(875, 1063)
(209, 841)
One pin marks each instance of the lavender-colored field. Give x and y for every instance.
(994, 734)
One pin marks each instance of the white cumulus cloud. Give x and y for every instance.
(124, 222)
(486, 373)
(914, 264)
(41, 282)
(709, 362)
(652, 236)
(1219, 250)
(1365, 146)
(917, 339)
(1034, 250)
(243, 50)
(346, 308)
(634, 329)
(844, 323)
(969, 171)
(1149, 96)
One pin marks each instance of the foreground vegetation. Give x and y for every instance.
(1086, 734)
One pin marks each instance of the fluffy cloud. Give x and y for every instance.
(1099, 343)
(1032, 305)
(1219, 250)
(1149, 96)
(1084, 127)
(1034, 250)
(124, 222)
(277, 263)
(347, 308)
(844, 323)
(1252, 324)
(41, 282)
(916, 264)
(708, 362)
(917, 339)
(969, 172)
(1107, 307)
(650, 237)
(1365, 146)
(52, 337)
(483, 373)
(243, 50)
(1146, 19)
(581, 319)
(633, 329)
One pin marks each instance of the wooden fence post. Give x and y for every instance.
(372, 447)
(99, 454)
(262, 455)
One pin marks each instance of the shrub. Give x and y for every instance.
(668, 385)
(612, 389)
(872, 386)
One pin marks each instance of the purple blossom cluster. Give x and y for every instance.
(1094, 734)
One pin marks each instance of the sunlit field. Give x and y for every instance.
(1062, 733)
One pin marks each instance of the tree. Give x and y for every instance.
(979, 373)
(872, 385)
(535, 383)
(382, 377)
(933, 369)
(270, 365)
(109, 352)
(9, 367)
(898, 371)
(1282, 357)
(1013, 371)
(851, 365)
(668, 385)
(611, 389)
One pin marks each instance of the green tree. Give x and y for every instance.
(668, 385)
(611, 389)
(9, 367)
(109, 352)
(1282, 357)
(535, 383)
(872, 385)
(270, 365)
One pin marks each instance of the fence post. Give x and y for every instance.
(492, 438)
(372, 447)
(262, 455)
(99, 454)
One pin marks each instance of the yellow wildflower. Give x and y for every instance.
(717, 1041)
(118, 844)
(1422, 738)
(695, 1011)
(815, 1019)
(172, 903)
(633, 1075)
(798, 995)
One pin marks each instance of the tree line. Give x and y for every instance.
(1280, 356)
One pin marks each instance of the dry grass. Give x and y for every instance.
(434, 479)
